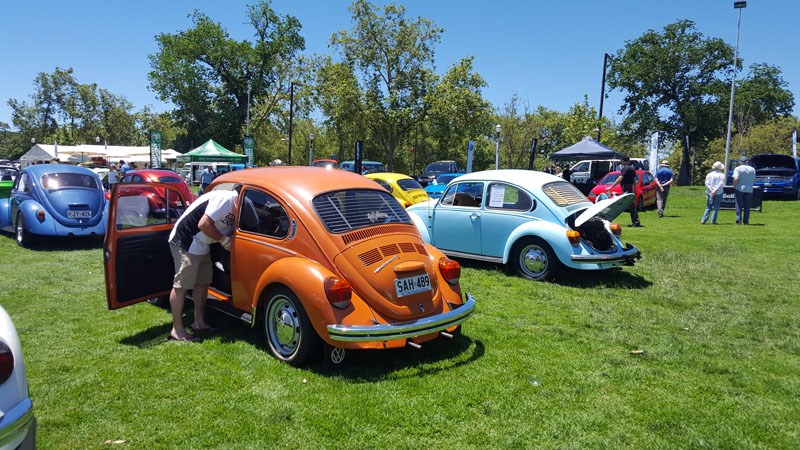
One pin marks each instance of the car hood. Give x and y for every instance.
(607, 209)
(773, 162)
(373, 265)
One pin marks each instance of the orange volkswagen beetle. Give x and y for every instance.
(320, 260)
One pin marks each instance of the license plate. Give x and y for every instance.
(79, 214)
(412, 285)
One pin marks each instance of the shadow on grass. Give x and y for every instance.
(61, 243)
(614, 278)
(360, 366)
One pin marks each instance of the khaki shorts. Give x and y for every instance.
(190, 270)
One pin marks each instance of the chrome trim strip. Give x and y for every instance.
(267, 244)
(388, 332)
(472, 256)
(630, 253)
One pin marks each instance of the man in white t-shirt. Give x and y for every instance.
(208, 220)
(744, 177)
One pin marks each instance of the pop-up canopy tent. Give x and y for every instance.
(587, 148)
(212, 152)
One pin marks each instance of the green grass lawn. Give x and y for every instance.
(697, 346)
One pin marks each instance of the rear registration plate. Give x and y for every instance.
(412, 285)
(79, 214)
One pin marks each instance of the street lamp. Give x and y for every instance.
(291, 116)
(739, 6)
(497, 148)
(311, 148)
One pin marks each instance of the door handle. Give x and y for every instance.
(474, 215)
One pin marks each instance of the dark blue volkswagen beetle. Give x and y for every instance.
(54, 200)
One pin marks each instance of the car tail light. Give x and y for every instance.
(574, 237)
(339, 292)
(40, 215)
(450, 269)
(6, 362)
(616, 229)
(408, 204)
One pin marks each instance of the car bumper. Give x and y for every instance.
(18, 427)
(405, 330)
(627, 256)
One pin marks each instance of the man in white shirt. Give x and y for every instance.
(744, 177)
(208, 220)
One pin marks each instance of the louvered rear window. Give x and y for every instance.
(563, 193)
(343, 211)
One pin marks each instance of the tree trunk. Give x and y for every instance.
(684, 175)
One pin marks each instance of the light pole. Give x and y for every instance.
(602, 95)
(291, 116)
(739, 6)
(497, 147)
(247, 120)
(311, 148)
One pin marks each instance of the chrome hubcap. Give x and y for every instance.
(534, 260)
(283, 325)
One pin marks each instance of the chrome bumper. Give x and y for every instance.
(18, 422)
(628, 255)
(405, 330)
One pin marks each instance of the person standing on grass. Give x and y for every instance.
(744, 176)
(207, 220)
(113, 176)
(206, 177)
(664, 179)
(715, 180)
(626, 180)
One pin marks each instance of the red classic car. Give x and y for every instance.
(645, 187)
(315, 260)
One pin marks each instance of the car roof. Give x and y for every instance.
(151, 172)
(301, 182)
(525, 178)
(38, 170)
(388, 176)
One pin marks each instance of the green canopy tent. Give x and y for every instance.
(212, 152)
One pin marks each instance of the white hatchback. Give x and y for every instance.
(17, 422)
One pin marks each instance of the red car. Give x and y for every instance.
(645, 188)
(161, 176)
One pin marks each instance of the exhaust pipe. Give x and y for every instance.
(414, 344)
(446, 334)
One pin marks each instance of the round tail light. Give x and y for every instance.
(616, 229)
(6, 362)
(40, 215)
(338, 292)
(574, 237)
(450, 270)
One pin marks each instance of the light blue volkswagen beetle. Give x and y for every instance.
(535, 222)
(54, 200)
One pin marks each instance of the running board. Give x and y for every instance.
(227, 308)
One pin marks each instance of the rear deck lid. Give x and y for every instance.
(607, 209)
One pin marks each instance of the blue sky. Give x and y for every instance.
(548, 52)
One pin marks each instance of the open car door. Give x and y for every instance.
(136, 255)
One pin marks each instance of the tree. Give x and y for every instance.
(760, 97)
(393, 58)
(207, 74)
(672, 82)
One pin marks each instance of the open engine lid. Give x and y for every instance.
(607, 209)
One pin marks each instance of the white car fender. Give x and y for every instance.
(421, 225)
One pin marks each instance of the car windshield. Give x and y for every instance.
(7, 174)
(52, 181)
(444, 179)
(408, 184)
(608, 179)
(563, 193)
(438, 167)
(347, 210)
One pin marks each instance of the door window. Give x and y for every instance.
(261, 214)
(469, 194)
(508, 197)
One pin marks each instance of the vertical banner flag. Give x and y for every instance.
(653, 152)
(470, 153)
(359, 156)
(249, 146)
(155, 149)
(794, 144)
(534, 143)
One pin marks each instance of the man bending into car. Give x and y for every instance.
(208, 220)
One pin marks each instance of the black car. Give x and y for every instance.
(437, 168)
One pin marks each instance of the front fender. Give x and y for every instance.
(553, 234)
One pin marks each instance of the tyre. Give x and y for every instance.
(24, 237)
(287, 329)
(534, 259)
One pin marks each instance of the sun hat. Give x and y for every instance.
(718, 166)
(743, 159)
(665, 163)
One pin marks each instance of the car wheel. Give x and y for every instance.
(24, 237)
(287, 329)
(534, 259)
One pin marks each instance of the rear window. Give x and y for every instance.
(343, 211)
(563, 193)
(53, 181)
(408, 184)
(170, 179)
